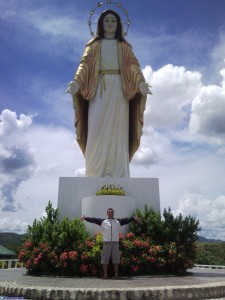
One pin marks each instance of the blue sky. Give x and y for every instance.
(180, 46)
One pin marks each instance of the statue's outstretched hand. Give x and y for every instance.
(144, 88)
(73, 87)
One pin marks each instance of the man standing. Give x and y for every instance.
(110, 230)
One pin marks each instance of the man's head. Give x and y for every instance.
(110, 213)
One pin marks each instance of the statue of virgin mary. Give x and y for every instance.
(109, 96)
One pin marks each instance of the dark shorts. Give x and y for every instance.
(110, 249)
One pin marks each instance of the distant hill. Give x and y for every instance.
(12, 241)
(201, 239)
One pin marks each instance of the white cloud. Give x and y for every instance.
(14, 225)
(207, 116)
(30, 170)
(173, 89)
(210, 213)
(17, 157)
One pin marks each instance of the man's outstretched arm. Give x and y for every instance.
(125, 221)
(97, 221)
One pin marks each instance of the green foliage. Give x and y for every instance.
(182, 231)
(58, 236)
(47, 239)
(210, 254)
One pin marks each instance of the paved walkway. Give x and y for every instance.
(197, 284)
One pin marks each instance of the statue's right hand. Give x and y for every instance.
(73, 87)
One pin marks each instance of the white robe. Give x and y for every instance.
(108, 122)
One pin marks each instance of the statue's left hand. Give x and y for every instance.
(144, 88)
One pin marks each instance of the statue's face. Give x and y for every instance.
(109, 24)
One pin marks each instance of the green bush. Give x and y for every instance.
(155, 245)
(181, 231)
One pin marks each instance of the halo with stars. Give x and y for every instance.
(99, 5)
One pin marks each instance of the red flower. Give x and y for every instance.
(152, 259)
(121, 236)
(73, 255)
(63, 256)
(28, 244)
(130, 235)
(137, 243)
(90, 244)
(157, 248)
(84, 256)
(84, 268)
(134, 268)
(39, 256)
(21, 254)
(43, 246)
(145, 244)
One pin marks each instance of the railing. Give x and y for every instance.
(15, 263)
(210, 266)
(10, 263)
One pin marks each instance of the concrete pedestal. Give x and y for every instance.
(77, 196)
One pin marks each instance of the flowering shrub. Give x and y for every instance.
(111, 189)
(67, 249)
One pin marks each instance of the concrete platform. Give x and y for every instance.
(197, 284)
